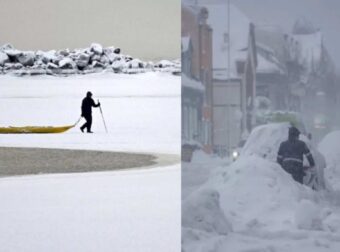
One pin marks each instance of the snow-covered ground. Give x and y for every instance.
(252, 205)
(141, 111)
(329, 147)
(137, 210)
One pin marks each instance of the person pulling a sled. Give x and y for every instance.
(86, 111)
(290, 155)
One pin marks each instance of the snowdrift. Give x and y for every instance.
(329, 147)
(203, 221)
(256, 192)
(95, 58)
(201, 210)
(264, 141)
(264, 207)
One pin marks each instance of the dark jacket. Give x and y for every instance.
(86, 106)
(290, 154)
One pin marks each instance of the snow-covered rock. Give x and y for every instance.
(164, 63)
(97, 64)
(13, 54)
(117, 65)
(104, 60)
(52, 66)
(136, 63)
(97, 48)
(67, 63)
(65, 52)
(49, 56)
(201, 210)
(3, 58)
(26, 58)
(6, 47)
(82, 60)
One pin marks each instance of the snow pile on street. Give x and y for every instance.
(203, 221)
(308, 216)
(95, 58)
(253, 180)
(329, 147)
(199, 170)
(266, 208)
(201, 210)
(264, 141)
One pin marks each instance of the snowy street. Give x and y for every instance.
(131, 210)
(254, 205)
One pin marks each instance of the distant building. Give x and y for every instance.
(196, 77)
(299, 74)
(233, 76)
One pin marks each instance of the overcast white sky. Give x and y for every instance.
(149, 29)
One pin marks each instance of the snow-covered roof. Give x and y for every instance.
(267, 61)
(191, 83)
(266, 66)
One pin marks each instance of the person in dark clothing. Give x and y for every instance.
(86, 111)
(290, 155)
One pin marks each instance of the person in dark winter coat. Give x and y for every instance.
(86, 111)
(290, 155)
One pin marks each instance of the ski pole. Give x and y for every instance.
(101, 112)
(77, 122)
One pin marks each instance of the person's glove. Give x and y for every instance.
(98, 104)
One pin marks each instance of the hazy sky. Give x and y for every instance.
(324, 14)
(149, 29)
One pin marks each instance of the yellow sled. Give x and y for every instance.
(34, 129)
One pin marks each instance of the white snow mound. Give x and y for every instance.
(264, 141)
(329, 147)
(201, 210)
(308, 216)
(258, 191)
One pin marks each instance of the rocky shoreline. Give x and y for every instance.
(95, 58)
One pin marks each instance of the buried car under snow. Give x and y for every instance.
(265, 140)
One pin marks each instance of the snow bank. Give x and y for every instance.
(257, 192)
(200, 241)
(266, 208)
(96, 58)
(199, 170)
(329, 147)
(308, 216)
(264, 141)
(257, 198)
(201, 210)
